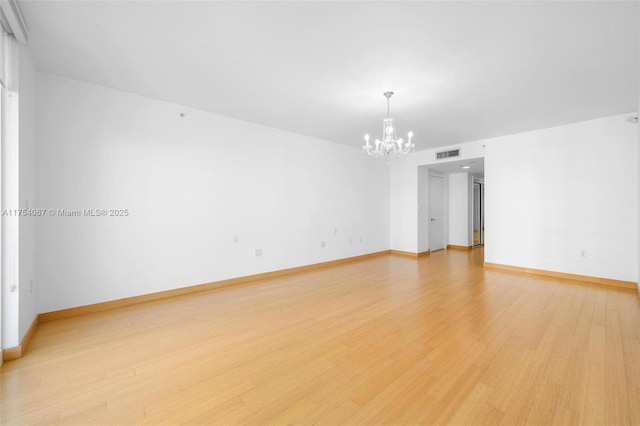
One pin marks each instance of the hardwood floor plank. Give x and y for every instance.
(470, 408)
(488, 416)
(545, 403)
(595, 383)
(510, 377)
(340, 415)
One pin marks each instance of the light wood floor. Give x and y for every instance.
(389, 340)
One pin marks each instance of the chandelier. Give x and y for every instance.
(390, 146)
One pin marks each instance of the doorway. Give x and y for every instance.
(436, 212)
(478, 213)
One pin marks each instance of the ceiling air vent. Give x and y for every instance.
(447, 154)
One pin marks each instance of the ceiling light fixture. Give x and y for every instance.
(465, 167)
(390, 146)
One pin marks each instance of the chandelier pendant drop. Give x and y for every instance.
(390, 146)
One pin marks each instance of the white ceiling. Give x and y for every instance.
(461, 71)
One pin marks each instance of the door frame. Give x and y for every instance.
(480, 182)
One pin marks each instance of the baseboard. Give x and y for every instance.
(564, 275)
(9, 354)
(503, 267)
(410, 253)
(134, 300)
(455, 247)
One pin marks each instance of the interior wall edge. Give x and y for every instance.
(16, 352)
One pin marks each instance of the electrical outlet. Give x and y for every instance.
(583, 253)
(235, 239)
(258, 252)
(349, 240)
(335, 231)
(323, 244)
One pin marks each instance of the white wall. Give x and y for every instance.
(404, 204)
(423, 209)
(27, 189)
(549, 195)
(555, 192)
(191, 184)
(459, 209)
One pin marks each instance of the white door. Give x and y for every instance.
(436, 213)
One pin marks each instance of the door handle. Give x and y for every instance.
(433, 220)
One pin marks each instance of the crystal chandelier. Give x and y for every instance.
(390, 146)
